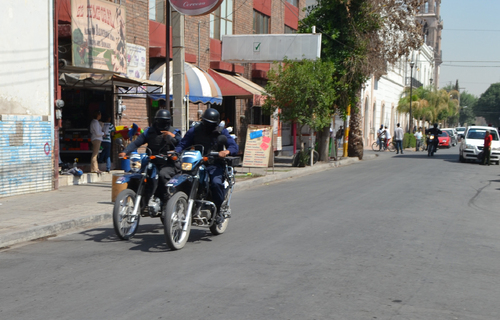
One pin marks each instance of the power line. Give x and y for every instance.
(457, 66)
(473, 30)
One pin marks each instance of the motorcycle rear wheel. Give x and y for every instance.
(122, 215)
(174, 213)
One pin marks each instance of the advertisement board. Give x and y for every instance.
(195, 7)
(98, 34)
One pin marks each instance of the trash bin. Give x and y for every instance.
(115, 187)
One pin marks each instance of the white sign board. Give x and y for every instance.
(270, 47)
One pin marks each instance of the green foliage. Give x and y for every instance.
(303, 92)
(409, 141)
(488, 105)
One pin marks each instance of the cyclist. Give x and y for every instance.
(387, 137)
(380, 137)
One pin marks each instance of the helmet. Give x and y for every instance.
(210, 119)
(435, 125)
(162, 120)
(211, 116)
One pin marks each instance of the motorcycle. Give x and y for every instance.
(431, 146)
(190, 202)
(140, 199)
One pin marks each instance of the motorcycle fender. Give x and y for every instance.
(179, 180)
(126, 178)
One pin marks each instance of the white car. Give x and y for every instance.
(453, 135)
(473, 141)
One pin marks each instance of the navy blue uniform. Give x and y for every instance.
(198, 136)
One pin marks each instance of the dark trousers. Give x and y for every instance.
(216, 173)
(399, 146)
(487, 155)
(166, 173)
(106, 154)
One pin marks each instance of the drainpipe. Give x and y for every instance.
(55, 89)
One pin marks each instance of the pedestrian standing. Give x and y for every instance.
(96, 138)
(487, 147)
(339, 136)
(380, 137)
(108, 128)
(388, 137)
(418, 137)
(398, 137)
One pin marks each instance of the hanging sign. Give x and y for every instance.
(98, 35)
(195, 7)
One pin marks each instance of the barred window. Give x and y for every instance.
(261, 23)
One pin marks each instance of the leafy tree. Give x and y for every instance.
(361, 37)
(488, 105)
(467, 106)
(302, 92)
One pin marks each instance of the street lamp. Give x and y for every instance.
(411, 86)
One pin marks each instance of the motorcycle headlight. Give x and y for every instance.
(187, 166)
(135, 166)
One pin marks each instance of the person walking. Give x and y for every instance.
(96, 138)
(108, 128)
(487, 147)
(398, 137)
(418, 138)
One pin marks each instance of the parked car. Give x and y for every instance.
(444, 140)
(453, 135)
(460, 131)
(473, 141)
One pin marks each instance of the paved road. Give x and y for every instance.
(399, 237)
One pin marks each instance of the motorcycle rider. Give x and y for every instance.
(205, 134)
(436, 132)
(160, 140)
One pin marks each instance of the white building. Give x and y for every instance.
(26, 96)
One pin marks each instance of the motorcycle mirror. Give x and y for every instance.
(221, 126)
(229, 129)
(221, 140)
(119, 142)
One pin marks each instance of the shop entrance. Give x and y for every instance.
(80, 106)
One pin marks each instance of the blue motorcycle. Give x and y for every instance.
(140, 198)
(190, 202)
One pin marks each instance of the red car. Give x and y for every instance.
(444, 140)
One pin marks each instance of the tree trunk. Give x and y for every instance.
(324, 143)
(355, 144)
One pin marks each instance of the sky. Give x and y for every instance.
(471, 32)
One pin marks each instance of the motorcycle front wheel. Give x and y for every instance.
(217, 229)
(124, 222)
(174, 214)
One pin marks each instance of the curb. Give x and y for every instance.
(87, 222)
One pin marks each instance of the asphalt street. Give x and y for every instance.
(398, 237)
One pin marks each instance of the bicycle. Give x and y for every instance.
(303, 158)
(391, 147)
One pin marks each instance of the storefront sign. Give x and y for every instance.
(195, 7)
(98, 34)
(136, 61)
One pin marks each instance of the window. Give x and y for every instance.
(260, 23)
(157, 10)
(289, 30)
(293, 2)
(221, 20)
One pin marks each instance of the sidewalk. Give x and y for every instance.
(78, 207)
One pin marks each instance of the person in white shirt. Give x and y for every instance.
(108, 129)
(96, 138)
(380, 136)
(418, 137)
(398, 137)
(387, 137)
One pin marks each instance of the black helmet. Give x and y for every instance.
(435, 125)
(211, 116)
(162, 120)
(210, 119)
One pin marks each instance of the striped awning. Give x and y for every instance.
(200, 86)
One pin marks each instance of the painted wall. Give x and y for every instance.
(26, 137)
